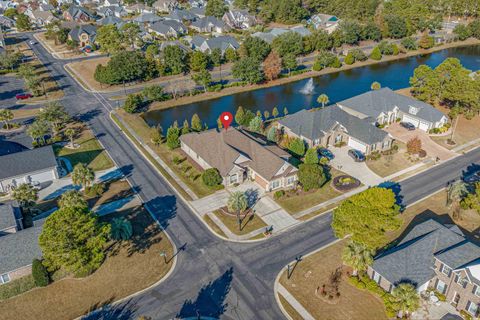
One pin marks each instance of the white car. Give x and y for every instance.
(32, 42)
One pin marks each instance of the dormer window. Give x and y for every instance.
(412, 110)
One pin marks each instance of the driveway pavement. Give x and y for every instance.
(359, 170)
(433, 149)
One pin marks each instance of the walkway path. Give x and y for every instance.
(294, 303)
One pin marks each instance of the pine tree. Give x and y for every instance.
(196, 123)
(275, 112)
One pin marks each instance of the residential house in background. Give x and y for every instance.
(239, 156)
(198, 12)
(181, 15)
(138, 8)
(111, 20)
(275, 32)
(115, 11)
(209, 24)
(34, 166)
(84, 35)
(168, 29)
(197, 3)
(385, 106)
(6, 23)
(325, 22)
(78, 14)
(437, 256)
(331, 125)
(46, 7)
(42, 18)
(18, 250)
(239, 19)
(208, 44)
(147, 18)
(175, 43)
(165, 5)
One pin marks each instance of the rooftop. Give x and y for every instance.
(20, 163)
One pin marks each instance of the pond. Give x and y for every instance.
(338, 86)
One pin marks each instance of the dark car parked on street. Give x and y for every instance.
(324, 152)
(357, 155)
(407, 125)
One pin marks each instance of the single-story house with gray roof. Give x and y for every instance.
(18, 251)
(331, 125)
(209, 24)
(385, 106)
(168, 28)
(208, 45)
(436, 256)
(31, 166)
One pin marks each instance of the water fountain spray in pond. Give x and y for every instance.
(308, 87)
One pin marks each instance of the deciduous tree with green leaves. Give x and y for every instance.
(173, 135)
(378, 211)
(109, 39)
(203, 78)
(216, 8)
(297, 147)
(311, 176)
(248, 69)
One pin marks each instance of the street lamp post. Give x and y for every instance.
(164, 255)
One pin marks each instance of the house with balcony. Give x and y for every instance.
(239, 157)
(385, 106)
(433, 256)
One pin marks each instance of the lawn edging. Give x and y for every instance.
(285, 268)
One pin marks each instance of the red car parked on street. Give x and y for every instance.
(23, 96)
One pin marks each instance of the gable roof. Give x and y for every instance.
(411, 260)
(111, 20)
(374, 102)
(76, 11)
(314, 124)
(8, 216)
(220, 149)
(205, 22)
(147, 17)
(25, 162)
(180, 15)
(20, 248)
(84, 28)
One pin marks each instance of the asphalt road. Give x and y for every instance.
(213, 278)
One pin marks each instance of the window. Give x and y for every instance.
(385, 144)
(472, 308)
(413, 110)
(290, 180)
(233, 178)
(441, 286)
(4, 278)
(376, 277)
(446, 270)
(275, 184)
(461, 280)
(338, 138)
(476, 290)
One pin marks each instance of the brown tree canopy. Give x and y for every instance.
(272, 66)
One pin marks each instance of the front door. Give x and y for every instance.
(456, 299)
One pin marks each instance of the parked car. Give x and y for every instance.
(23, 96)
(472, 177)
(32, 42)
(357, 155)
(324, 152)
(407, 125)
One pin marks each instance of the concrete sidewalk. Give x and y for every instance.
(294, 303)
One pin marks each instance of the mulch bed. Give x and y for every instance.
(345, 187)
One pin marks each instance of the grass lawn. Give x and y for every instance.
(313, 271)
(60, 48)
(25, 113)
(290, 310)
(47, 82)
(16, 287)
(249, 224)
(129, 267)
(214, 226)
(296, 203)
(90, 151)
(389, 164)
(186, 171)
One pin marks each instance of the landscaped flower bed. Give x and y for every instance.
(345, 183)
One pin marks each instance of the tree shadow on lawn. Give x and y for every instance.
(106, 311)
(210, 301)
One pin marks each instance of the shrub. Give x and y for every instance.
(466, 315)
(409, 43)
(211, 177)
(414, 145)
(422, 153)
(297, 147)
(375, 155)
(40, 273)
(340, 144)
(95, 190)
(121, 229)
(311, 176)
(133, 103)
(358, 55)
(376, 54)
(349, 59)
(16, 287)
(278, 194)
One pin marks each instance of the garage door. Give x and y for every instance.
(355, 144)
(413, 121)
(43, 176)
(423, 126)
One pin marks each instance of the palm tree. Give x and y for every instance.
(25, 194)
(70, 133)
(38, 130)
(121, 229)
(323, 99)
(6, 116)
(357, 256)
(72, 199)
(455, 193)
(237, 202)
(406, 297)
(375, 85)
(82, 175)
(55, 115)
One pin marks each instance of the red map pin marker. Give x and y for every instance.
(226, 118)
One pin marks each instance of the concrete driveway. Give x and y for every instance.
(433, 149)
(359, 170)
